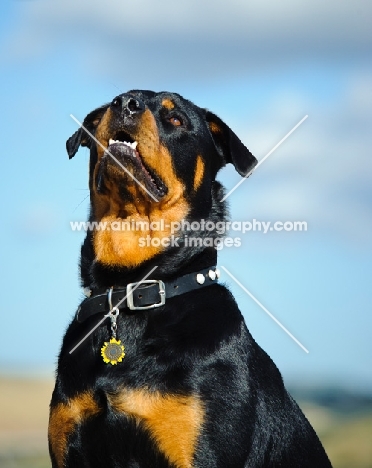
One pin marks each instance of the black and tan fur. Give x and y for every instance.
(194, 389)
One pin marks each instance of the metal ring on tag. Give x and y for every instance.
(109, 297)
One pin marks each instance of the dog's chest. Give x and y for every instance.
(171, 423)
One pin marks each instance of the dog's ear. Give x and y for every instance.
(81, 137)
(229, 146)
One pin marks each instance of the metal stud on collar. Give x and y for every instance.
(200, 278)
(212, 275)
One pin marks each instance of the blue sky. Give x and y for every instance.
(262, 67)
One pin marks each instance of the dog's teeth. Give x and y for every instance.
(126, 143)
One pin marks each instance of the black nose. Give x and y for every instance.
(129, 105)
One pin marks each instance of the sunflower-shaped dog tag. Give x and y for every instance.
(112, 351)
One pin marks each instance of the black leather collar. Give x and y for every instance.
(145, 295)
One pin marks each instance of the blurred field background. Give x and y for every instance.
(342, 420)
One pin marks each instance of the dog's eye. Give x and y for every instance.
(116, 102)
(177, 122)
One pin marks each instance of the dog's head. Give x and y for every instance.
(154, 157)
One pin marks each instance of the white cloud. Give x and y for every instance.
(197, 38)
(323, 172)
(360, 94)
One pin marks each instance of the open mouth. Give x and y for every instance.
(124, 148)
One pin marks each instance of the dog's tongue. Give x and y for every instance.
(118, 149)
(123, 146)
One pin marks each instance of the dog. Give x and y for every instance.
(157, 368)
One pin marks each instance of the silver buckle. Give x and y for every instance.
(133, 286)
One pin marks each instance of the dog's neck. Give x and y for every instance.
(171, 262)
(95, 275)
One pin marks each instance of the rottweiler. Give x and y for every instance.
(157, 368)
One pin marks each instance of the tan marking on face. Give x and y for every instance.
(168, 104)
(116, 247)
(64, 418)
(214, 127)
(199, 172)
(173, 421)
